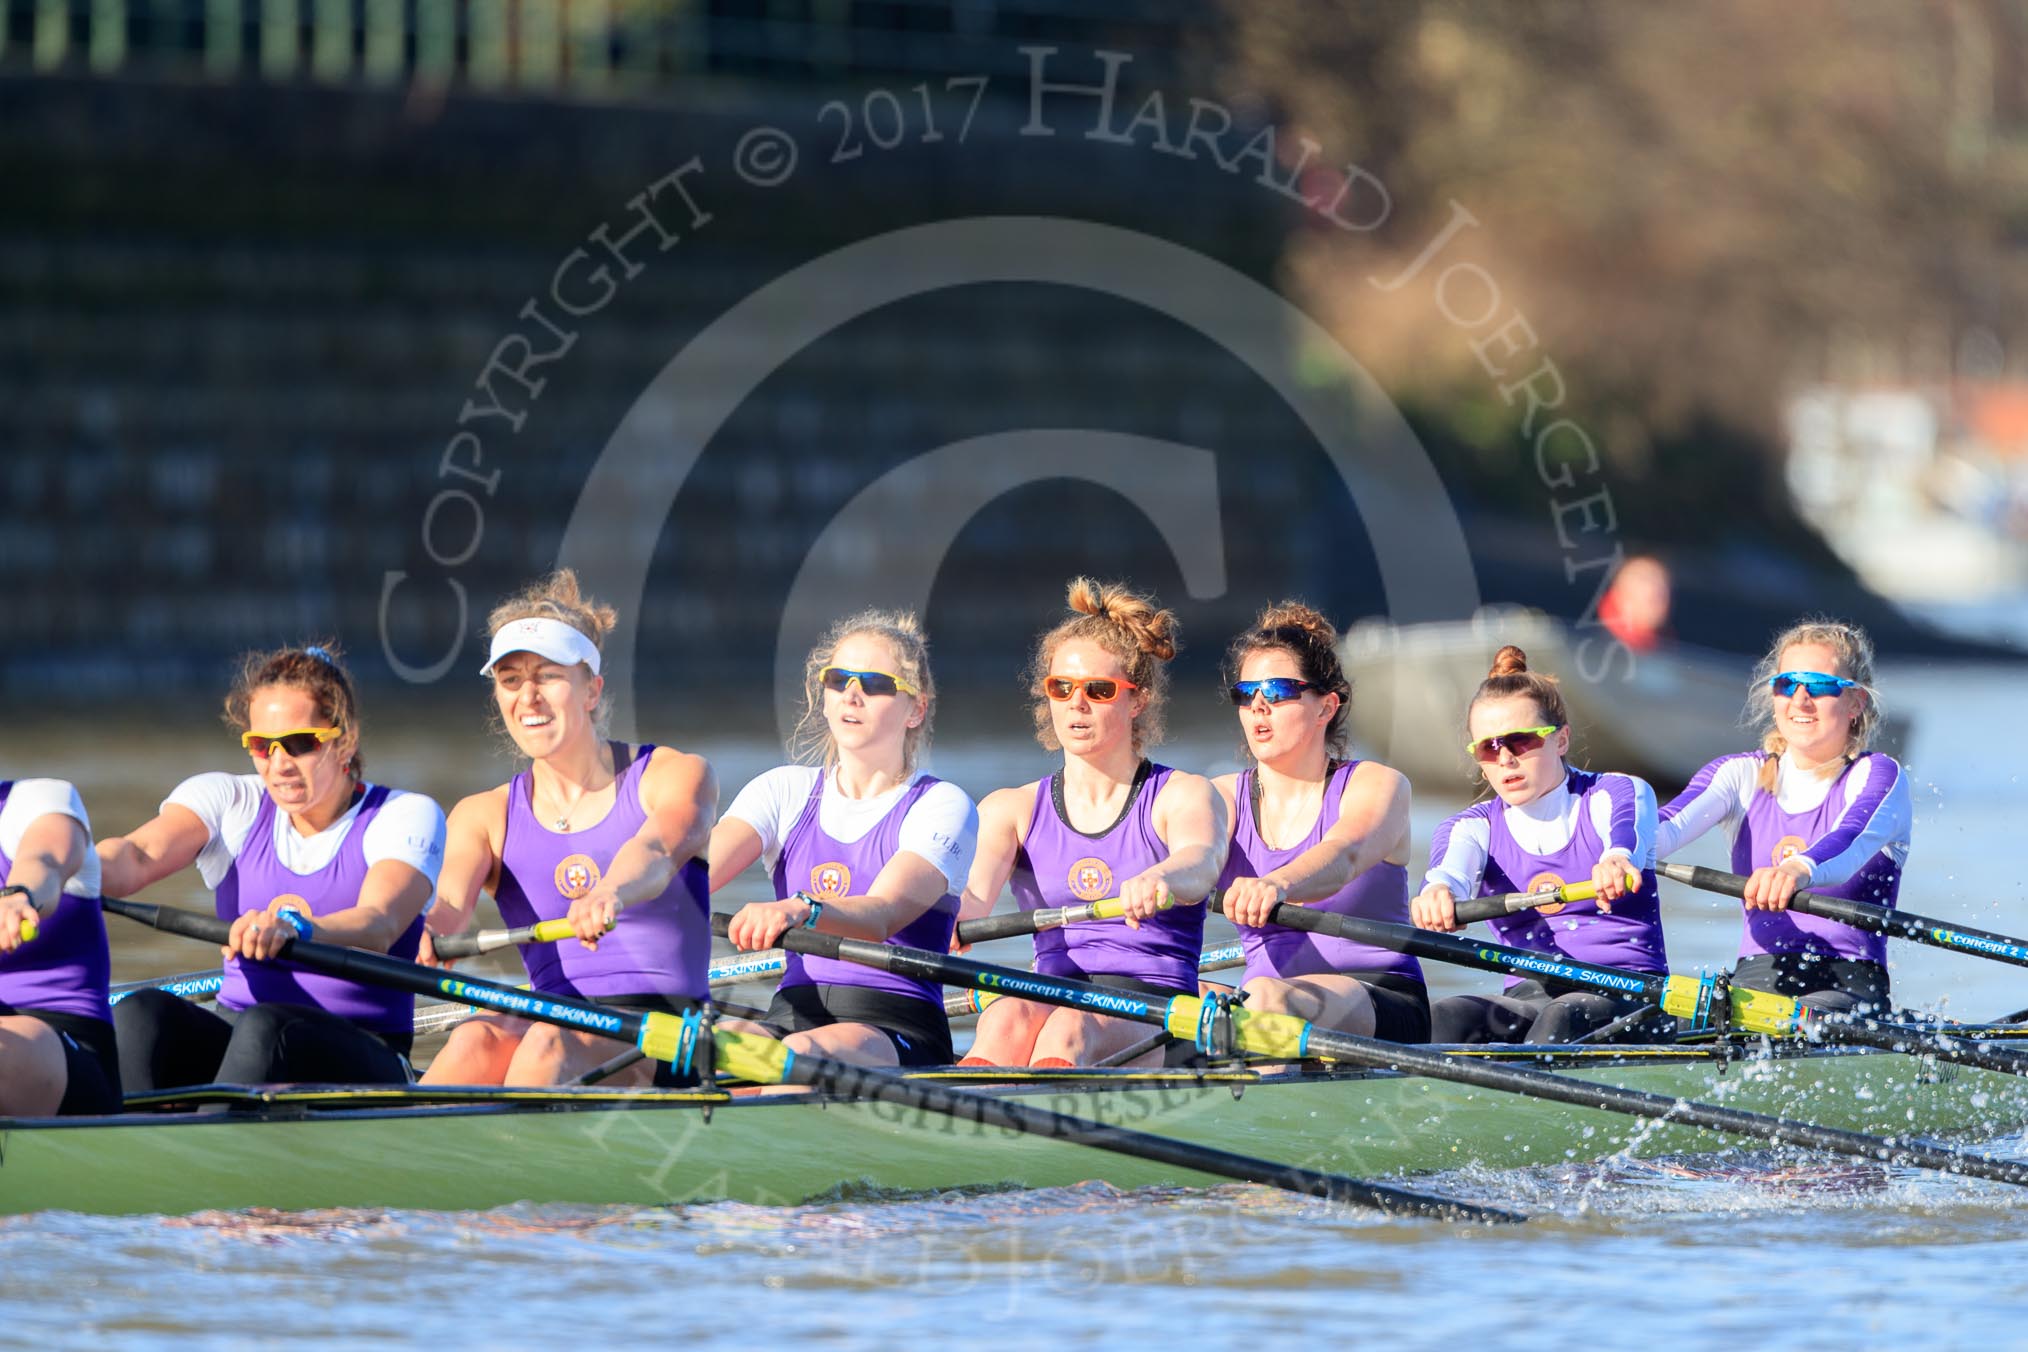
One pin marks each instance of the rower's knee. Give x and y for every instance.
(33, 1075)
(477, 1052)
(541, 1056)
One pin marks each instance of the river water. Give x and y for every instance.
(1747, 1247)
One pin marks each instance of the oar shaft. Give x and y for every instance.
(1284, 1037)
(1866, 916)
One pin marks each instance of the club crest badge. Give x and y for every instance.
(828, 882)
(576, 876)
(289, 901)
(1090, 879)
(1546, 882)
(1787, 848)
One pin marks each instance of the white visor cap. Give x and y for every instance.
(552, 639)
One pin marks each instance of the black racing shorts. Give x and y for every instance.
(919, 1030)
(1400, 1005)
(91, 1061)
(1849, 982)
(666, 1075)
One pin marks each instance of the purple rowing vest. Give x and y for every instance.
(1770, 835)
(65, 968)
(1059, 865)
(1629, 936)
(1380, 893)
(659, 947)
(258, 878)
(815, 861)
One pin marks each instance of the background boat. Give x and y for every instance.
(1661, 714)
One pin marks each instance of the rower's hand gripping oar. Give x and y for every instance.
(1283, 1037)
(676, 1038)
(1894, 923)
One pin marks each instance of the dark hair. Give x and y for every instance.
(1129, 625)
(1304, 634)
(313, 669)
(1510, 677)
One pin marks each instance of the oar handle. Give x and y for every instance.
(1015, 923)
(489, 941)
(1506, 903)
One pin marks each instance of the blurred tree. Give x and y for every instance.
(1694, 206)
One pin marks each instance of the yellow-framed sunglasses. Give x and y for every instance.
(296, 741)
(840, 679)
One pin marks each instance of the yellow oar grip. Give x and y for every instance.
(1765, 1012)
(28, 930)
(549, 931)
(1751, 1011)
(746, 1056)
(1257, 1031)
(749, 1056)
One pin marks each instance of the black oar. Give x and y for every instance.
(1283, 1037)
(1700, 999)
(672, 1038)
(1866, 916)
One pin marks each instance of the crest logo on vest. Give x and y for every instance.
(289, 901)
(1787, 848)
(1090, 879)
(828, 882)
(1546, 882)
(576, 876)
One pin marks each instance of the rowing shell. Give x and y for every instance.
(449, 1149)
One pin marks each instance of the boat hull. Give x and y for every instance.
(344, 1148)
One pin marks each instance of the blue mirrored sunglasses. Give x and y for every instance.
(1275, 690)
(1817, 683)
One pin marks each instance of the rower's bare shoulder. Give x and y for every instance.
(679, 769)
(1005, 807)
(1371, 777)
(484, 813)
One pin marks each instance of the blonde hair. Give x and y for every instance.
(1854, 651)
(1304, 634)
(557, 597)
(313, 669)
(811, 743)
(1127, 624)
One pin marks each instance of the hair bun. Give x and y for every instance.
(1296, 615)
(1509, 661)
(1152, 630)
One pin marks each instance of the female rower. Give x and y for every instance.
(1109, 823)
(1346, 824)
(862, 844)
(590, 830)
(304, 847)
(56, 1028)
(1548, 825)
(1812, 808)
